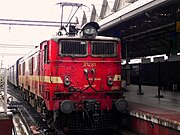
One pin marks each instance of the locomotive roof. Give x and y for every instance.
(32, 52)
(57, 38)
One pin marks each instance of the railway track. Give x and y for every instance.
(34, 123)
(19, 127)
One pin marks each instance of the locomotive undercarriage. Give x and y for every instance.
(36, 102)
(86, 121)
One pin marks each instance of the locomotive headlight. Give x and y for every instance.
(86, 71)
(66, 80)
(110, 80)
(89, 30)
(67, 106)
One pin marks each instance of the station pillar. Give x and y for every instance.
(127, 74)
(159, 82)
(173, 43)
(139, 81)
(127, 67)
(177, 21)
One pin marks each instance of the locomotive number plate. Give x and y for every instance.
(89, 64)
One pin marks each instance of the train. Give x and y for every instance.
(74, 79)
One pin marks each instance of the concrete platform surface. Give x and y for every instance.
(170, 100)
(161, 111)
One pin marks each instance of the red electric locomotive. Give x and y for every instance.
(75, 80)
(75, 75)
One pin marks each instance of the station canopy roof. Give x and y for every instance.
(149, 33)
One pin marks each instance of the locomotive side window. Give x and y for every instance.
(46, 55)
(23, 68)
(73, 48)
(104, 49)
(31, 66)
(19, 69)
(38, 64)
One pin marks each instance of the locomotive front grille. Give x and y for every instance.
(79, 122)
(73, 48)
(104, 48)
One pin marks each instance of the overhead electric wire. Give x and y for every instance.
(32, 22)
(12, 54)
(27, 24)
(16, 46)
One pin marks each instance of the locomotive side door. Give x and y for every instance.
(41, 75)
(43, 67)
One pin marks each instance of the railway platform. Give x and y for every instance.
(150, 115)
(6, 121)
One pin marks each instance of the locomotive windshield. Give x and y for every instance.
(73, 48)
(104, 49)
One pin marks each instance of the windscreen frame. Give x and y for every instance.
(83, 42)
(105, 55)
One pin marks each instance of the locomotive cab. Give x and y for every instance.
(85, 72)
